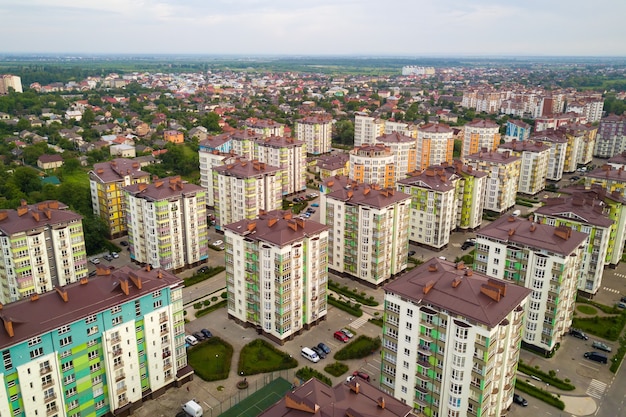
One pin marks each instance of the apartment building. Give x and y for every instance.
(243, 143)
(403, 128)
(480, 134)
(503, 170)
(373, 164)
(265, 127)
(8, 82)
(167, 223)
(517, 130)
(435, 145)
(557, 142)
(404, 150)
(106, 181)
(316, 132)
(97, 347)
(543, 258)
(596, 213)
(608, 177)
(366, 129)
(42, 246)
(611, 139)
(243, 188)
(589, 107)
(535, 158)
(556, 121)
(368, 231)
(289, 155)
(618, 161)
(451, 340)
(277, 273)
(331, 165)
(213, 151)
(580, 145)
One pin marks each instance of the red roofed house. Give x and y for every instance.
(50, 161)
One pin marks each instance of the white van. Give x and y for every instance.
(516, 213)
(193, 408)
(191, 340)
(310, 355)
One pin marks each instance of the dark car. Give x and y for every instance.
(206, 333)
(596, 356)
(124, 243)
(411, 252)
(203, 269)
(319, 351)
(518, 399)
(578, 333)
(93, 273)
(108, 257)
(466, 246)
(623, 299)
(362, 375)
(324, 347)
(199, 336)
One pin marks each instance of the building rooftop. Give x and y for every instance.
(435, 128)
(163, 189)
(117, 169)
(333, 162)
(356, 398)
(32, 217)
(42, 313)
(493, 157)
(608, 172)
(243, 168)
(368, 195)
(277, 227)
(484, 123)
(459, 290)
(280, 142)
(549, 135)
(525, 146)
(395, 137)
(316, 119)
(560, 240)
(435, 178)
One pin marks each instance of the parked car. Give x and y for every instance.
(191, 340)
(124, 243)
(601, 346)
(206, 333)
(621, 304)
(108, 258)
(94, 261)
(203, 269)
(199, 336)
(324, 347)
(623, 299)
(578, 333)
(467, 244)
(115, 255)
(217, 243)
(319, 352)
(315, 205)
(411, 253)
(93, 273)
(347, 332)
(518, 399)
(596, 356)
(341, 337)
(362, 375)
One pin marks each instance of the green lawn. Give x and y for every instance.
(259, 356)
(585, 309)
(211, 359)
(361, 347)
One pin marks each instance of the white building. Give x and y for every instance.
(535, 158)
(451, 340)
(435, 145)
(557, 142)
(480, 134)
(403, 148)
(367, 129)
(316, 132)
(167, 223)
(276, 273)
(502, 178)
(373, 164)
(8, 81)
(542, 258)
(289, 155)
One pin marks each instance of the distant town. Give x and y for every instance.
(451, 219)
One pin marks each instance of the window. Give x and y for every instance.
(67, 366)
(70, 392)
(99, 404)
(116, 320)
(72, 404)
(34, 341)
(98, 391)
(92, 355)
(137, 308)
(69, 379)
(96, 380)
(157, 304)
(65, 341)
(116, 309)
(91, 319)
(46, 380)
(6, 356)
(64, 329)
(156, 294)
(95, 367)
(36, 353)
(65, 354)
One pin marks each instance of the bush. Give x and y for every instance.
(206, 303)
(259, 357)
(549, 377)
(359, 297)
(211, 309)
(540, 394)
(197, 306)
(359, 348)
(224, 295)
(307, 373)
(617, 359)
(376, 321)
(336, 369)
(345, 306)
(203, 276)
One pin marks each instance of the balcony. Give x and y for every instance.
(50, 411)
(120, 376)
(425, 349)
(117, 352)
(44, 370)
(49, 397)
(422, 389)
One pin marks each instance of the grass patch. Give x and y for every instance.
(359, 297)
(203, 276)
(377, 321)
(549, 377)
(359, 348)
(346, 306)
(608, 327)
(336, 369)
(307, 373)
(604, 308)
(259, 357)
(211, 359)
(617, 359)
(540, 394)
(585, 309)
(211, 309)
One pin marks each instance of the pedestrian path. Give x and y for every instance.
(360, 321)
(620, 275)
(610, 290)
(596, 389)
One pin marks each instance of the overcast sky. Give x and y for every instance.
(316, 27)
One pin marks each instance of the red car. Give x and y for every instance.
(362, 375)
(340, 336)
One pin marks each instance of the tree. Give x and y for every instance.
(344, 130)
(26, 179)
(211, 122)
(88, 117)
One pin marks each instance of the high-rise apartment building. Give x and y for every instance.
(542, 258)
(243, 188)
(535, 158)
(435, 145)
(404, 151)
(316, 132)
(557, 142)
(503, 171)
(373, 164)
(368, 231)
(106, 181)
(480, 134)
(265, 127)
(517, 130)
(167, 223)
(211, 154)
(611, 138)
(366, 129)
(8, 82)
(277, 273)
(596, 213)
(41, 247)
(451, 340)
(289, 155)
(95, 348)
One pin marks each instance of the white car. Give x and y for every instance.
(347, 332)
(218, 243)
(94, 261)
(191, 340)
(115, 255)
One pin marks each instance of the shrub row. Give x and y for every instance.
(203, 276)
(540, 394)
(617, 359)
(345, 306)
(307, 373)
(545, 377)
(336, 369)
(359, 348)
(210, 309)
(377, 321)
(352, 294)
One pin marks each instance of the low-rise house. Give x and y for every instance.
(50, 161)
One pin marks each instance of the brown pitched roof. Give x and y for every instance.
(369, 195)
(35, 216)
